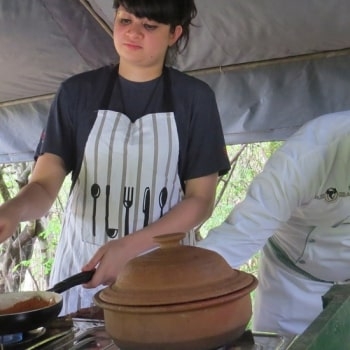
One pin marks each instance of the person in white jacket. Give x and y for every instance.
(297, 211)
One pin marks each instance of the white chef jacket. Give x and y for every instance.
(298, 211)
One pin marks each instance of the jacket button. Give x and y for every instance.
(302, 261)
(312, 240)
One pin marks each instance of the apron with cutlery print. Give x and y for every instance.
(133, 169)
(128, 179)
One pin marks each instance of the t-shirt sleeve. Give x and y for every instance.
(58, 135)
(72, 115)
(287, 181)
(206, 149)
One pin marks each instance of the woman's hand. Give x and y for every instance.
(108, 260)
(35, 199)
(9, 220)
(196, 207)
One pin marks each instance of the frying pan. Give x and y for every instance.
(28, 320)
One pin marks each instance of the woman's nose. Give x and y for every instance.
(135, 29)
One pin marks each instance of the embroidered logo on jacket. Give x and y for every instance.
(332, 194)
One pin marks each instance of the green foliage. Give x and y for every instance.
(50, 235)
(25, 263)
(53, 228)
(249, 164)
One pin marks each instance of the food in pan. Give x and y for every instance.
(33, 303)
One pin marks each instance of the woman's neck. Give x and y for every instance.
(139, 74)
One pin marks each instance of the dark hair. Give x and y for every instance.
(172, 12)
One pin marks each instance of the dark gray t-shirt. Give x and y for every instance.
(73, 112)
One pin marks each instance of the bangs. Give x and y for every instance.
(165, 11)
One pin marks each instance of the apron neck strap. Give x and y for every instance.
(108, 93)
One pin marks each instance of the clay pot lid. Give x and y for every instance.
(173, 274)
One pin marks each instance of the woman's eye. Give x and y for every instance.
(124, 21)
(150, 27)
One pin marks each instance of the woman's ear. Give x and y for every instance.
(175, 35)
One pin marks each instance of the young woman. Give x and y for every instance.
(143, 142)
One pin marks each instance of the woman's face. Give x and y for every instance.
(141, 41)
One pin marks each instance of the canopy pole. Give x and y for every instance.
(26, 100)
(97, 18)
(256, 64)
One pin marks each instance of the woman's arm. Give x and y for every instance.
(195, 208)
(36, 198)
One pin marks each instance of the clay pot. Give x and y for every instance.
(177, 297)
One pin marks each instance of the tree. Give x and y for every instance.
(17, 252)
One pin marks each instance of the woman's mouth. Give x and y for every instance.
(132, 46)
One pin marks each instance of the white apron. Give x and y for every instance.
(128, 179)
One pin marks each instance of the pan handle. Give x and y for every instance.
(72, 281)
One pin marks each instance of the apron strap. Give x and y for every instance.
(103, 105)
(167, 96)
(112, 88)
(105, 101)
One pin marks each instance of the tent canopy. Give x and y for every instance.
(273, 64)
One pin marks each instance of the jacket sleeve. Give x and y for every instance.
(288, 180)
